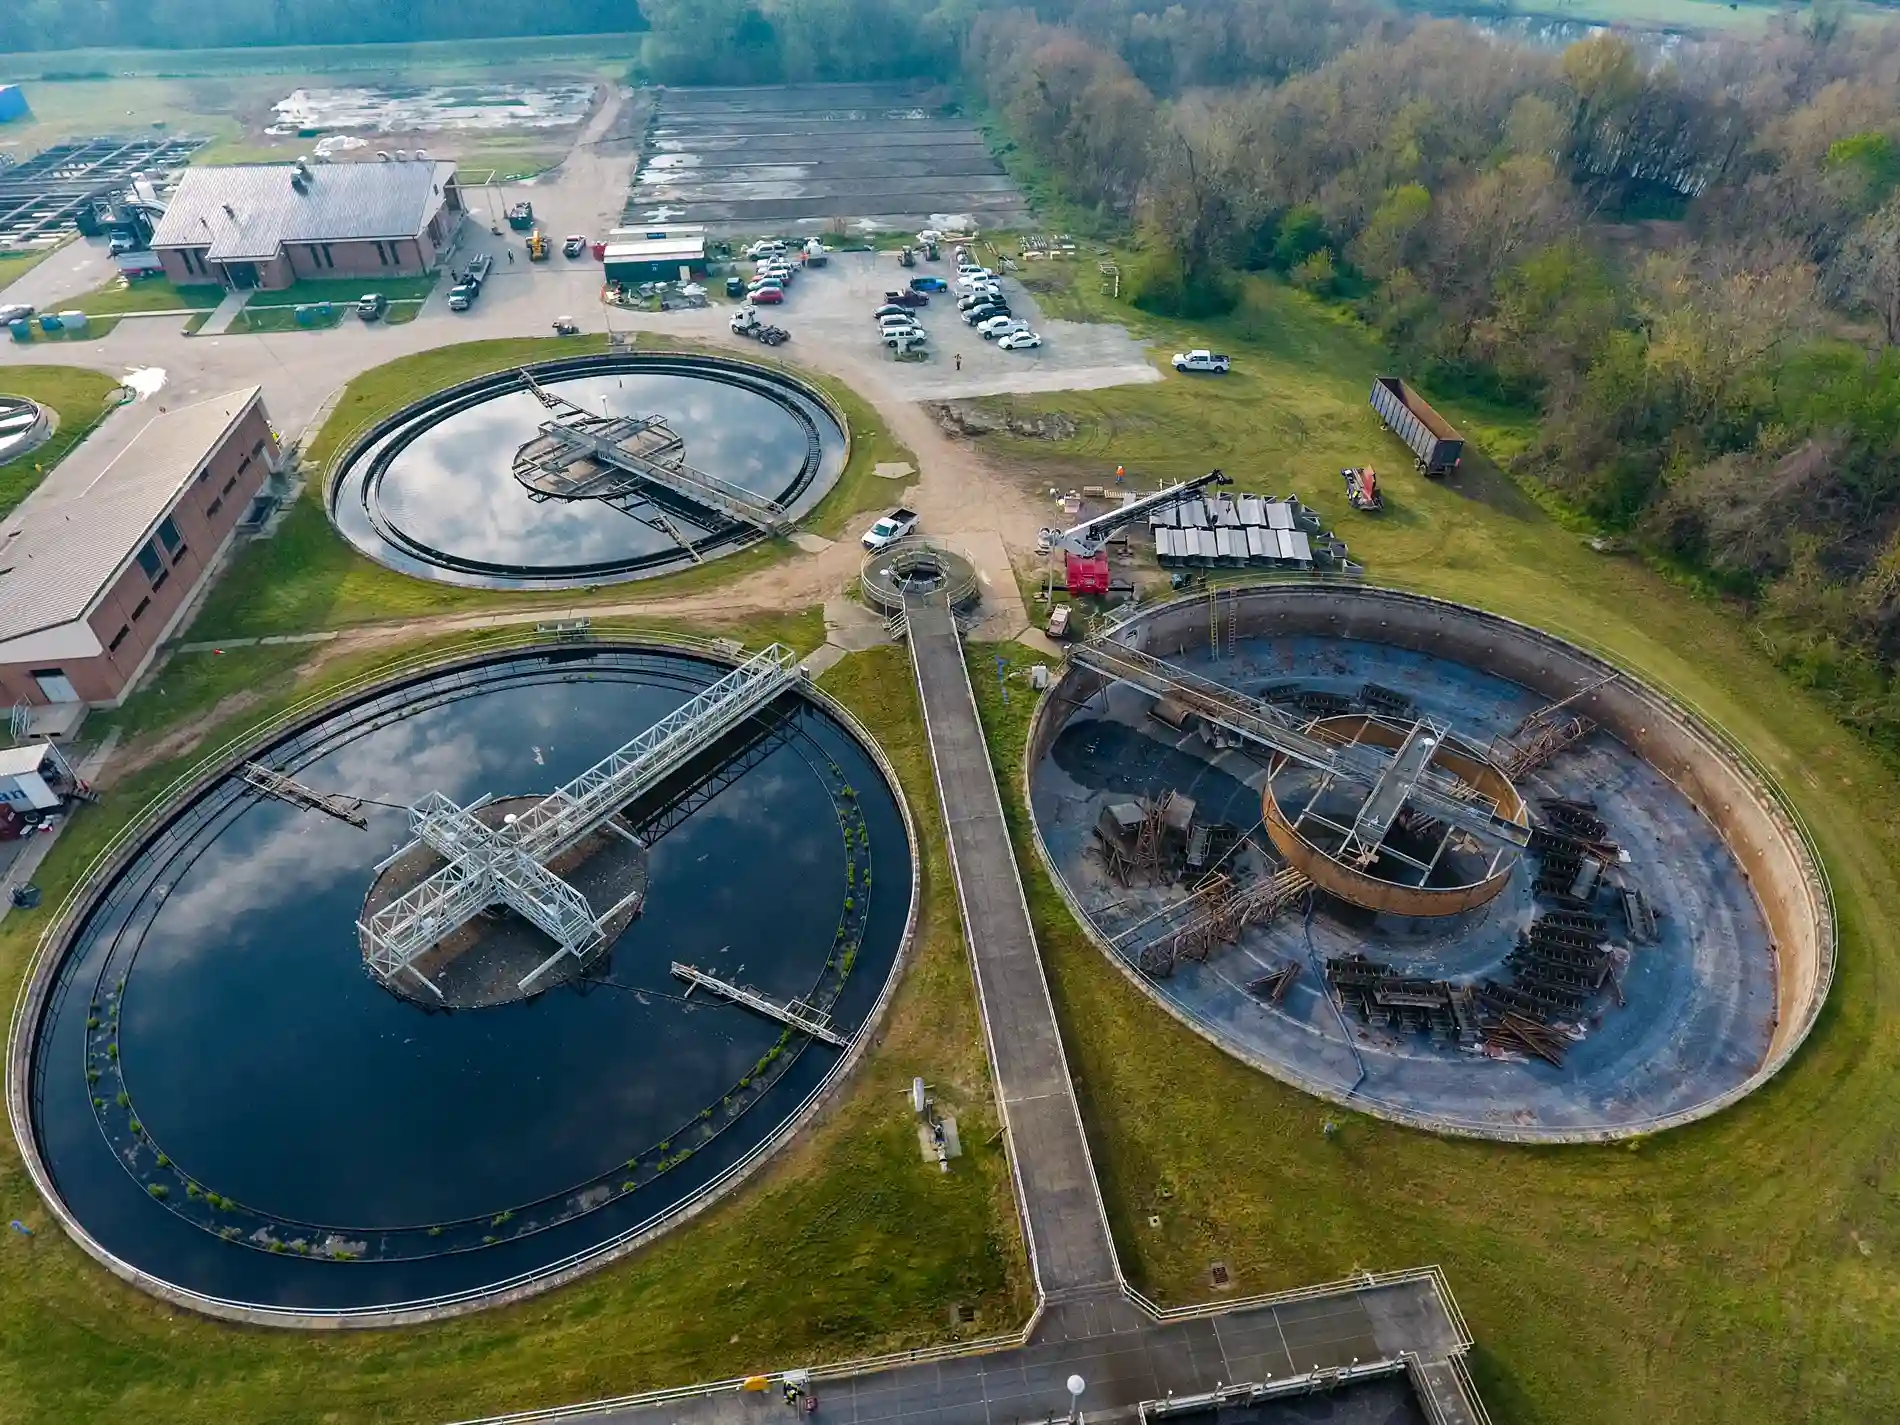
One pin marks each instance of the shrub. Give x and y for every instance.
(163, 1161)
(158, 1190)
(125, 1099)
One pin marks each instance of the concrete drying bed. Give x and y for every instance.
(1746, 943)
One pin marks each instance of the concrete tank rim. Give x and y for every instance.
(50, 951)
(1797, 839)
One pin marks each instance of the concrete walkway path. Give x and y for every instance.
(219, 322)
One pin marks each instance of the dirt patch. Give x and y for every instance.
(969, 420)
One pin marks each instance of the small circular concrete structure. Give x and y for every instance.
(909, 568)
(1460, 879)
(1671, 1019)
(460, 486)
(24, 424)
(222, 1107)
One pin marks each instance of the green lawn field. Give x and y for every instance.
(1742, 1269)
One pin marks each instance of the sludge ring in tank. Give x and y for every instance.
(1658, 948)
(224, 1107)
(445, 489)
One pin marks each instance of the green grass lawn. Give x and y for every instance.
(79, 398)
(17, 264)
(1742, 1269)
(846, 1244)
(154, 294)
(305, 577)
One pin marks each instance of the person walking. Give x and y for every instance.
(959, 360)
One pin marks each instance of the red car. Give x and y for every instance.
(907, 299)
(768, 296)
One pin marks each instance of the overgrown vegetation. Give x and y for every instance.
(849, 1224)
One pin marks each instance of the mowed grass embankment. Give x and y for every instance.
(847, 1243)
(1747, 1268)
(77, 396)
(306, 577)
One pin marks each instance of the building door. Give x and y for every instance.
(243, 275)
(55, 687)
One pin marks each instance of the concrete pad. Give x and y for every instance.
(1002, 613)
(824, 658)
(812, 543)
(852, 626)
(893, 470)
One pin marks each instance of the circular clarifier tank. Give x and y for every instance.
(1659, 948)
(230, 1109)
(435, 490)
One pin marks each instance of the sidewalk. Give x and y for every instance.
(220, 320)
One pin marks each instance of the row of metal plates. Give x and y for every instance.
(1225, 512)
(1238, 545)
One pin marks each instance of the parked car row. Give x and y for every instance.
(983, 305)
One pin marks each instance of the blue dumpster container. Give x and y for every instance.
(49, 323)
(22, 328)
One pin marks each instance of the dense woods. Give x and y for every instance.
(1687, 263)
(185, 24)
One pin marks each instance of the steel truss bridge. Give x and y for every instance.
(625, 461)
(1391, 779)
(506, 865)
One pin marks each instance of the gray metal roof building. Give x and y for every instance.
(251, 211)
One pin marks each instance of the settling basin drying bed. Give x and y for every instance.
(433, 491)
(1659, 948)
(224, 1100)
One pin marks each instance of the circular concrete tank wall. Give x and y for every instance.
(224, 1108)
(1710, 1006)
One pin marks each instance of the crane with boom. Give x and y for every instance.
(1082, 545)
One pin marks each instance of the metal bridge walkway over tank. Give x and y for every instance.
(506, 865)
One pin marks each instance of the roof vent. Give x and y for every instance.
(298, 182)
(402, 155)
(229, 211)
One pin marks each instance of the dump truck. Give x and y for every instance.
(1409, 416)
(521, 217)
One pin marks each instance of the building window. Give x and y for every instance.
(179, 553)
(169, 537)
(212, 508)
(139, 612)
(204, 474)
(118, 638)
(229, 485)
(328, 260)
(149, 561)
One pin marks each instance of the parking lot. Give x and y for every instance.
(828, 311)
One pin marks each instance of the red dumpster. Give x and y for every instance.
(600, 252)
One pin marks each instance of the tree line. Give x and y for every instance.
(30, 25)
(1687, 262)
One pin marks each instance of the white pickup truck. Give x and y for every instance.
(894, 526)
(1201, 361)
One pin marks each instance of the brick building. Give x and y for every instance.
(270, 224)
(101, 561)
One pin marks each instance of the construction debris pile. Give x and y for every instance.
(1230, 531)
(1562, 963)
(1162, 840)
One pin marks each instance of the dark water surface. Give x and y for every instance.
(269, 1067)
(451, 487)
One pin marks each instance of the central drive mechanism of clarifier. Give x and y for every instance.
(466, 861)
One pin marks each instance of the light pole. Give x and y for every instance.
(1076, 1386)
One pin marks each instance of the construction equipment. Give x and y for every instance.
(906, 257)
(537, 246)
(1082, 544)
(521, 217)
(1362, 489)
(1410, 417)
